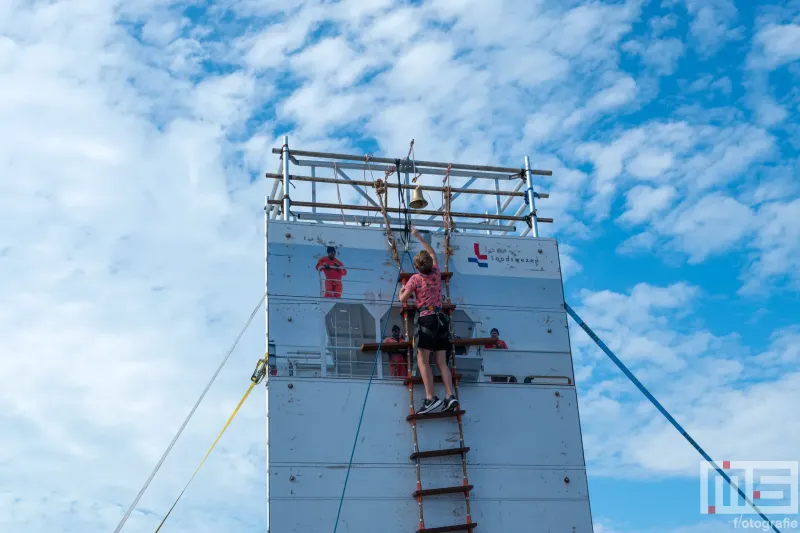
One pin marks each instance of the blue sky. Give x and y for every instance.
(130, 253)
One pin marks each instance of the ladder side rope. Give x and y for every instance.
(412, 157)
(191, 413)
(258, 375)
(448, 251)
(447, 221)
(364, 405)
(663, 411)
(382, 192)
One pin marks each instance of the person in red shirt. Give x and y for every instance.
(334, 272)
(397, 361)
(433, 334)
(497, 344)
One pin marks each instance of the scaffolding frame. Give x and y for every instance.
(280, 204)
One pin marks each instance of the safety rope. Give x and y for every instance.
(661, 409)
(364, 405)
(412, 158)
(258, 375)
(185, 422)
(447, 221)
(382, 192)
(401, 203)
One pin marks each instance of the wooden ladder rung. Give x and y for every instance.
(439, 453)
(417, 380)
(449, 529)
(443, 490)
(438, 414)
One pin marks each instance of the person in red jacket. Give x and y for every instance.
(397, 360)
(334, 272)
(497, 344)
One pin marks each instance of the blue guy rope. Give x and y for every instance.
(364, 406)
(663, 411)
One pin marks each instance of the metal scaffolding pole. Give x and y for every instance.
(285, 154)
(531, 201)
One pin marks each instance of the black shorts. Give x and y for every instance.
(440, 340)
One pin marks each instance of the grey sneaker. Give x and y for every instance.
(450, 404)
(429, 405)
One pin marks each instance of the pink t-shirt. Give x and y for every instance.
(427, 290)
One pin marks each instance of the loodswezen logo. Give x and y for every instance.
(770, 485)
(479, 258)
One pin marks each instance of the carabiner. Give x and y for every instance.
(259, 372)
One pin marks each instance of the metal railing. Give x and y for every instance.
(381, 175)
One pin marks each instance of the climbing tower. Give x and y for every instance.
(346, 451)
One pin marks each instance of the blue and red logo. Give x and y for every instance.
(479, 257)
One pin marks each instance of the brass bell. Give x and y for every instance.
(417, 200)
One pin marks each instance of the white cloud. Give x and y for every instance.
(707, 227)
(660, 54)
(644, 202)
(660, 25)
(640, 242)
(569, 265)
(705, 380)
(706, 82)
(650, 164)
(713, 24)
(775, 45)
(778, 245)
(333, 61)
(692, 163)
(770, 113)
(622, 92)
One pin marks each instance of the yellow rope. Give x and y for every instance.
(246, 394)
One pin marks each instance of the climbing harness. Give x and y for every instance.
(255, 379)
(191, 413)
(441, 322)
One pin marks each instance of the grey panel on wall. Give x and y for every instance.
(316, 419)
(390, 516)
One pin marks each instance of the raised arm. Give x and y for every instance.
(425, 245)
